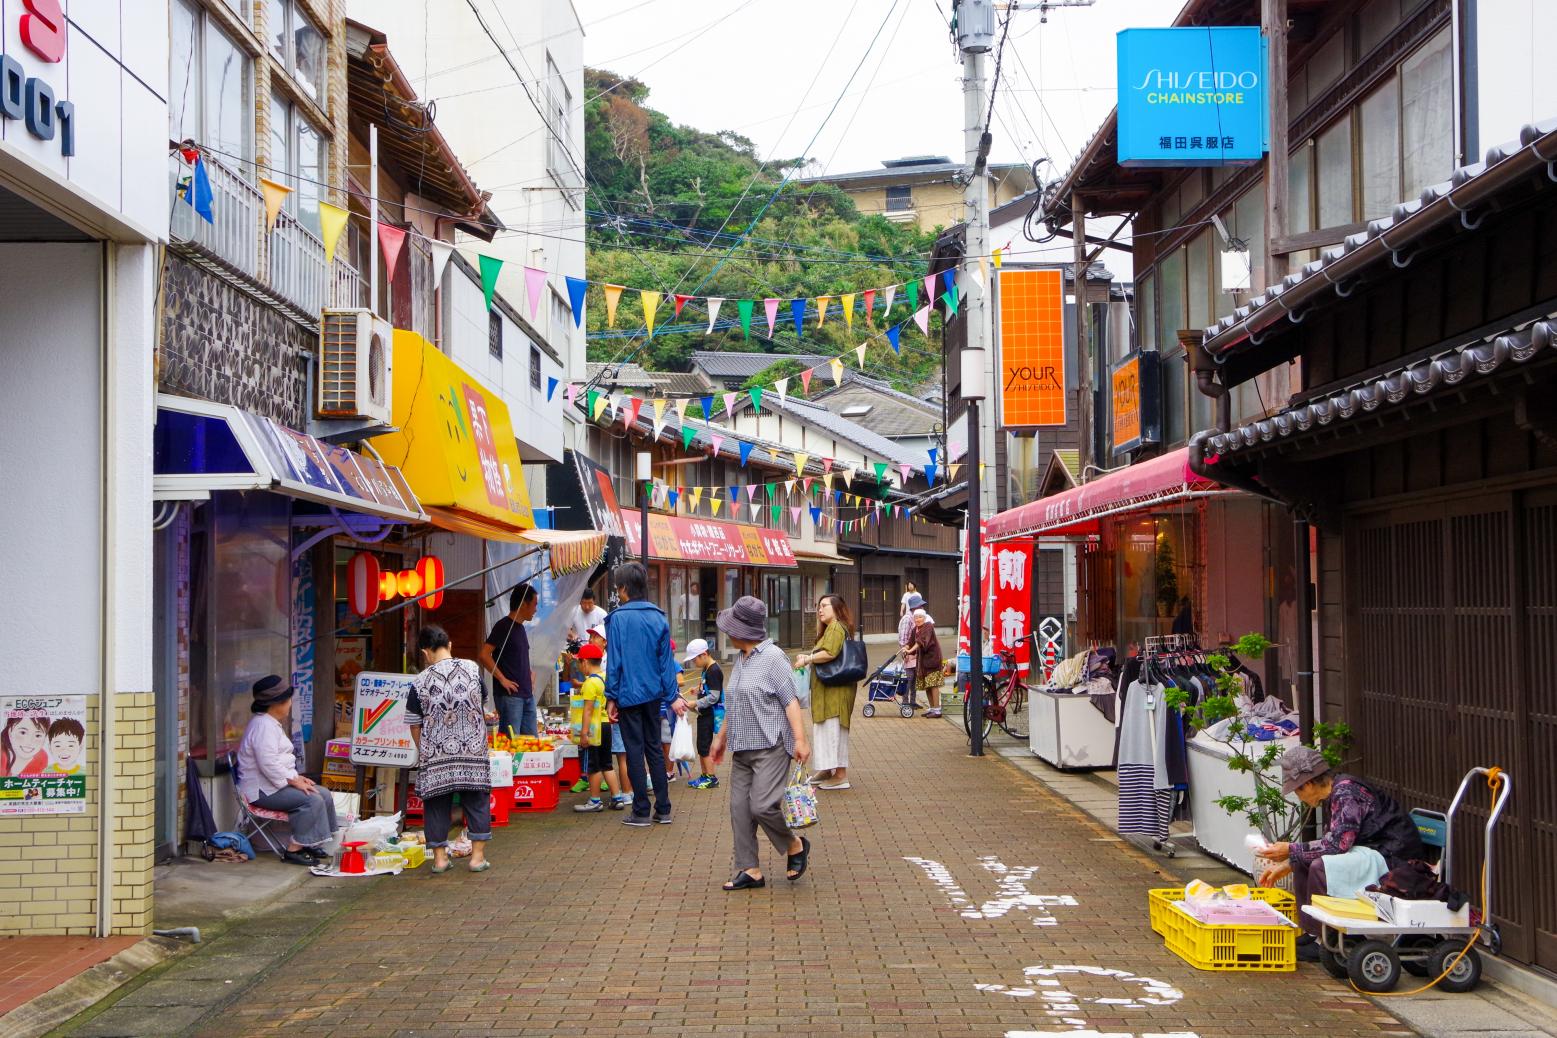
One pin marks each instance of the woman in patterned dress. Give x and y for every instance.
(449, 726)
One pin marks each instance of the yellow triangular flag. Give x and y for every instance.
(681, 410)
(659, 411)
(600, 403)
(613, 294)
(837, 366)
(800, 461)
(982, 466)
(997, 259)
(697, 496)
(952, 470)
(275, 197)
(332, 221)
(651, 303)
(821, 309)
(848, 309)
(714, 502)
(859, 351)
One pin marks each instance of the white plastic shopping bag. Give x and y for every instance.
(682, 744)
(803, 686)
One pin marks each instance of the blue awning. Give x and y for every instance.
(200, 447)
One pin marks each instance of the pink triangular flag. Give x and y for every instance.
(808, 481)
(715, 442)
(771, 306)
(827, 465)
(805, 379)
(929, 286)
(534, 283)
(922, 319)
(905, 469)
(751, 491)
(794, 513)
(729, 404)
(390, 239)
(571, 393)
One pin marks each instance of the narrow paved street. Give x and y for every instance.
(587, 927)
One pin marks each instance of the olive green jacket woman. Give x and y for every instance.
(829, 701)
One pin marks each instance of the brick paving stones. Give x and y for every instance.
(587, 927)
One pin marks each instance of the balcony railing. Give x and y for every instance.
(297, 264)
(348, 288)
(238, 211)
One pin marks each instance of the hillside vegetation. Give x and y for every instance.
(659, 196)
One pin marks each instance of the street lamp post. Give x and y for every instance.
(645, 478)
(973, 391)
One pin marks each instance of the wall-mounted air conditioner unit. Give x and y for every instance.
(354, 366)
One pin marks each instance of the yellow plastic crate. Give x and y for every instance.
(1159, 903)
(1267, 949)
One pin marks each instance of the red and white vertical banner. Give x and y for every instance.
(962, 598)
(1010, 618)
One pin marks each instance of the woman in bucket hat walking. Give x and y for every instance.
(764, 731)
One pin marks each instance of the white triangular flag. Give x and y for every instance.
(978, 275)
(922, 318)
(891, 291)
(713, 311)
(859, 351)
(782, 385)
(441, 251)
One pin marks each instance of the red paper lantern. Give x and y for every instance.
(388, 587)
(430, 569)
(409, 583)
(362, 584)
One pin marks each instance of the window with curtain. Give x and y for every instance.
(1300, 189)
(299, 46)
(1427, 115)
(296, 159)
(1379, 118)
(1334, 174)
(1198, 256)
(1170, 299)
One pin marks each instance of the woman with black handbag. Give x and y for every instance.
(837, 665)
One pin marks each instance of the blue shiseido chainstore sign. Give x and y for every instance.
(1192, 96)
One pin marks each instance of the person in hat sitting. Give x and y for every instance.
(267, 774)
(1357, 816)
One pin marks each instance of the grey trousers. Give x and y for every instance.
(311, 815)
(757, 782)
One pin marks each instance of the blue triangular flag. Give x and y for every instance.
(948, 277)
(745, 453)
(893, 334)
(735, 493)
(708, 408)
(797, 307)
(672, 497)
(816, 514)
(837, 497)
(197, 191)
(551, 387)
(932, 455)
(929, 474)
(576, 289)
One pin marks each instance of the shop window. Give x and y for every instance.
(1335, 174)
(1174, 400)
(1427, 116)
(1146, 313)
(299, 46)
(1379, 135)
(495, 334)
(1198, 256)
(1300, 189)
(296, 159)
(900, 199)
(209, 87)
(1170, 299)
(1326, 67)
(1374, 23)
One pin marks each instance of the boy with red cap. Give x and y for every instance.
(594, 741)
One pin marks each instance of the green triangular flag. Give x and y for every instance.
(688, 434)
(589, 404)
(490, 265)
(744, 306)
(913, 296)
(889, 509)
(775, 511)
(756, 399)
(949, 297)
(771, 487)
(881, 469)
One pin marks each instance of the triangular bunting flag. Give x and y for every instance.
(275, 197)
(715, 503)
(576, 289)
(390, 241)
(613, 294)
(794, 514)
(891, 291)
(708, 408)
(534, 285)
(929, 474)
(816, 514)
(681, 410)
(755, 392)
(713, 311)
(651, 303)
(680, 301)
(821, 309)
(797, 310)
(859, 351)
(571, 392)
(933, 454)
(881, 470)
(744, 306)
(697, 496)
(894, 336)
(442, 252)
(997, 258)
(634, 405)
(745, 452)
(551, 387)
(805, 380)
(800, 462)
(922, 319)
(659, 411)
(673, 496)
(775, 511)
(597, 403)
(848, 309)
(904, 469)
(751, 492)
(332, 221)
(782, 385)
(949, 278)
(929, 287)
(490, 265)
(952, 470)
(729, 405)
(688, 434)
(756, 510)
(806, 485)
(716, 442)
(771, 307)
(949, 297)
(789, 485)
(913, 294)
(837, 366)
(827, 466)
(870, 307)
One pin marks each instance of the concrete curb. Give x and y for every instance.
(53, 1008)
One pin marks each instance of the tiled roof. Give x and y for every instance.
(870, 443)
(902, 173)
(620, 376)
(1463, 197)
(892, 414)
(680, 383)
(725, 364)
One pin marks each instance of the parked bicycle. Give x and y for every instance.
(1005, 696)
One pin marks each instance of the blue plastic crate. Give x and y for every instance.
(992, 664)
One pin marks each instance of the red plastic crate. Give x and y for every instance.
(502, 801)
(570, 772)
(535, 793)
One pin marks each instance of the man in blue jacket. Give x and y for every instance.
(640, 678)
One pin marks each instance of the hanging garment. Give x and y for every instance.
(1145, 796)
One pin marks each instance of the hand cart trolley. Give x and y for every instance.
(890, 683)
(1371, 953)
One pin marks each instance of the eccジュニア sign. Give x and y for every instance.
(30, 99)
(1192, 96)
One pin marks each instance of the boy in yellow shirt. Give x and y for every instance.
(594, 741)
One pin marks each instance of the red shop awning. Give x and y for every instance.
(1159, 481)
(709, 541)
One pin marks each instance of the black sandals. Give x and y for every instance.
(797, 862)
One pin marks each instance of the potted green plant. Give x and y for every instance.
(1277, 817)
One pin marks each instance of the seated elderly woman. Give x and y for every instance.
(267, 774)
(1366, 834)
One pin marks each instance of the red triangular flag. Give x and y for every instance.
(391, 240)
(827, 465)
(805, 379)
(870, 306)
(633, 406)
(680, 302)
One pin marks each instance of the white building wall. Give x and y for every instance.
(498, 135)
(1507, 65)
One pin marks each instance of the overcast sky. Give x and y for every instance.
(771, 70)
